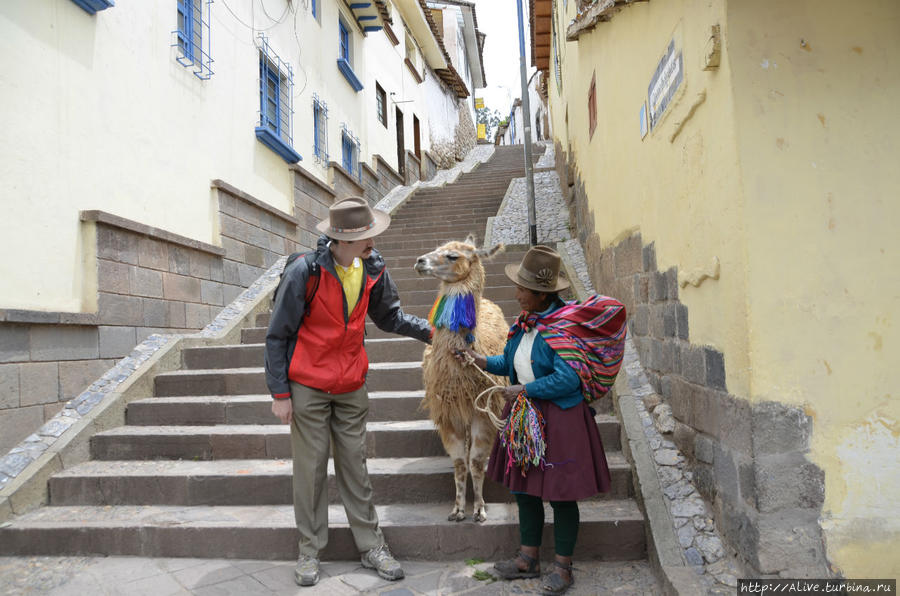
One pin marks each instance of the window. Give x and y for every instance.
(314, 7)
(592, 106)
(411, 62)
(350, 152)
(381, 104)
(344, 40)
(192, 37)
(345, 55)
(276, 84)
(320, 130)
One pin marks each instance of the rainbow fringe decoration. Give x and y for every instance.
(523, 436)
(453, 312)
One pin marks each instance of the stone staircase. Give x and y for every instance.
(202, 469)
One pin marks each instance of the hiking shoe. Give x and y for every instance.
(307, 571)
(381, 560)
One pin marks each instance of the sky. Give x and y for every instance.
(498, 20)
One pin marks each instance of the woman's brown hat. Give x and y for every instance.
(353, 219)
(539, 271)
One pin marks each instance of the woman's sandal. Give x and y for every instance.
(554, 583)
(509, 570)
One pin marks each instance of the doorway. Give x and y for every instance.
(401, 148)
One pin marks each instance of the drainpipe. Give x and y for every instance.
(526, 124)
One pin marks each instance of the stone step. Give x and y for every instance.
(250, 355)
(268, 482)
(609, 530)
(405, 438)
(256, 409)
(395, 376)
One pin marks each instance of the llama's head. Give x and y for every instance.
(456, 261)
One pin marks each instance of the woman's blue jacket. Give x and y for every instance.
(554, 379)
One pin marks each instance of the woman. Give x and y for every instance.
(558, 354)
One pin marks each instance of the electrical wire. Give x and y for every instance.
(251, 27)
(281, 18)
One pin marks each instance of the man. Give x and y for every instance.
(316, 371)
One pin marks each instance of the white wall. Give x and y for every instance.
(97, 114)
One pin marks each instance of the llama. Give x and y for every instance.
(461, 319)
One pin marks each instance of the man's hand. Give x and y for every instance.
(282, 409)
(512, 392)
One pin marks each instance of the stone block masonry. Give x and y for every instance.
(747, 460)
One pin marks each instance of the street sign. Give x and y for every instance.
(666, 80)
(482, 131)
(479, 103)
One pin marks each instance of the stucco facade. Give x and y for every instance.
(762, 195)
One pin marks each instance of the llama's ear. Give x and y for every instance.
(488, 253)
(470, 239)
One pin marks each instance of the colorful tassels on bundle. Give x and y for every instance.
(523, 435)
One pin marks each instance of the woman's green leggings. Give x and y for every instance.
(565, 523)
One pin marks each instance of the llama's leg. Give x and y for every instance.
(483, 435)
(455, 445)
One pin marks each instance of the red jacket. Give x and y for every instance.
(329, 355)
(324, 350)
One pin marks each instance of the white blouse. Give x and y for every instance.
(522, 357)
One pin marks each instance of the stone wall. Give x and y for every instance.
(370, 183)
(345, 184)
(748, 459)
(254, 235)
(429, 166)
(413, 168)
(388, 176)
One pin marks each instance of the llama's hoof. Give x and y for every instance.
(456, 515)
(479, 516)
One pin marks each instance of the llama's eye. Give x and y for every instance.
(452, 257)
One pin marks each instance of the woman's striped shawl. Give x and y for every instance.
(590, 336)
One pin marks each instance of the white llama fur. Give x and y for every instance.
(451, 387)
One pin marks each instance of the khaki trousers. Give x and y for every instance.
(321, 419)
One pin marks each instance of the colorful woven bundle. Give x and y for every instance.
(589, 336)
(453, 312)
(523, 436)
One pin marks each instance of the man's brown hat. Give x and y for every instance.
(353, 219)
(539, 271)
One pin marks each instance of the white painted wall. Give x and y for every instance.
(97, 114)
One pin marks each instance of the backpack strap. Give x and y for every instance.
(314, 275)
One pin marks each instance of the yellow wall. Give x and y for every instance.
(786, 172)
(684, 195)
(818, 143)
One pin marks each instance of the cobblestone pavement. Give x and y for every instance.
(136, 576)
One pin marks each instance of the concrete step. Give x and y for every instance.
(268, 482)
(609, 530)
(251, 355)
(256, 409)
(395, 376)
(416, 438)
(405, 438)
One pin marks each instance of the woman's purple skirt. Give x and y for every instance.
(576, 464)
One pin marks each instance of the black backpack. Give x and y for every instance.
(313, 267)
